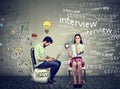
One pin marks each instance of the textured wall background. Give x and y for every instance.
(98, 21)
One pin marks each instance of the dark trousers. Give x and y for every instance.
(53, 65)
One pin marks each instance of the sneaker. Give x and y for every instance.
(53, 80)
(50, 81)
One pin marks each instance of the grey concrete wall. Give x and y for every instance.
(96, 20)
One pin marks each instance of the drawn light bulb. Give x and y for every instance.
(47, 25)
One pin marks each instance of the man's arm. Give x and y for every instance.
(37, 56)
(41, 59)
(36, 52)
(46, 59)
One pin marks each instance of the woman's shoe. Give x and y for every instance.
(75, 85)
(79, 85)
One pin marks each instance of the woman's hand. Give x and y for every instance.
(77, 49)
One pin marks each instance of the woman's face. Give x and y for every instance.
(77, 39)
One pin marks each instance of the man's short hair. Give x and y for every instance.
(48, 39)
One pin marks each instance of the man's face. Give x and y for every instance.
(46, 44)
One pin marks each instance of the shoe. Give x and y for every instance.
(53, 80)
(75, 85)
(50, 81)
(79, 85)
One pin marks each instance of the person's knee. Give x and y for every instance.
(58, 62)
(79, 65)
(74, 64)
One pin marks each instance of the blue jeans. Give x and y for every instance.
(53, 65)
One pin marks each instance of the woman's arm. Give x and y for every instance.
(69, 53)
(78, 49)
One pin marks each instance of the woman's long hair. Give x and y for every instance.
(80, 38)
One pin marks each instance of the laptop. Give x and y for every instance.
(57, 57)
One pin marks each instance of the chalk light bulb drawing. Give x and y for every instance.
(47, 25)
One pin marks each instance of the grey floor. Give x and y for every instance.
(93, 82)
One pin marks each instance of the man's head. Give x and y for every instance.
(47, 41)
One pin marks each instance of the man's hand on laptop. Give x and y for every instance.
(50, 59)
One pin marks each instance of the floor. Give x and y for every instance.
(93, 82)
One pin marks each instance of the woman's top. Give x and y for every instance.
(73, 50)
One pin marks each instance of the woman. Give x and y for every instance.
(75, 53)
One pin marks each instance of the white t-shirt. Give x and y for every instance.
(73, 50)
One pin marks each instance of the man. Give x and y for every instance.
(43, 61)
